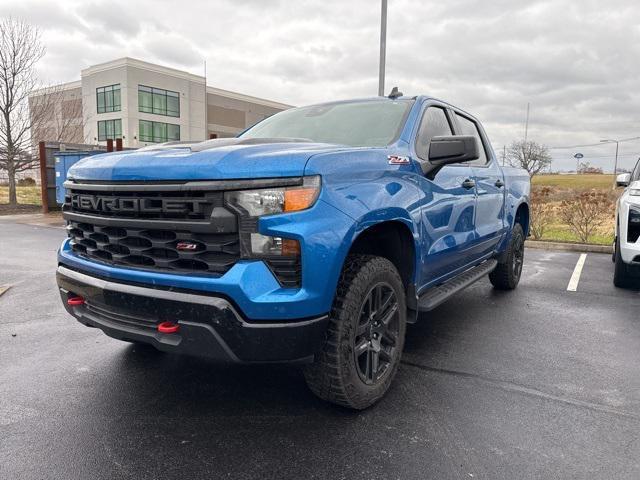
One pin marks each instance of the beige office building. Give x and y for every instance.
(144, 103)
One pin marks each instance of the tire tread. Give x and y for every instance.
(328, 377)
(502, 277)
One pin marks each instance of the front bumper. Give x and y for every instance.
(630, 253)
(210, 326)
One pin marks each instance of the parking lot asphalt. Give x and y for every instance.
(540, 383)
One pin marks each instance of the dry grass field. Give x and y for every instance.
(566, 188)
(26, 195)
(574, 182)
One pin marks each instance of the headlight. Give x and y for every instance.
(252, 204)
(634, 192)
(634, 216)
(256, 203)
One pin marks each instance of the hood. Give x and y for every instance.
(212, 160)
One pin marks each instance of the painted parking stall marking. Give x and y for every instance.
(575, 278)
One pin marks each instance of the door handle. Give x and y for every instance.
(468, 183)
(499, 183)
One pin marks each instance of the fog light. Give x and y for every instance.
(264, 245)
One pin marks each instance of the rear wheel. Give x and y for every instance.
(365, 336)
(621, 277)
(506, 275)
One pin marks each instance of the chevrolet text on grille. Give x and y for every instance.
(144, 205)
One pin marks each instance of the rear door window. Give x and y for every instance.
(469, 127)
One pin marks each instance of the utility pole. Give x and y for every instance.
(206, 109)
(526, 125)
(383, 47)
(615, 165)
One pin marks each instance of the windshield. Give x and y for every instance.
(371, 123)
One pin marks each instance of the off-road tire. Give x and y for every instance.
(621, 277)
(335, 376)
(506, 275)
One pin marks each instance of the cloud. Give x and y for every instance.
(574, 61)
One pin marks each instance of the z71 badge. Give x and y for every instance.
(398, 160)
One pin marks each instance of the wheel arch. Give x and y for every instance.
(393, 240)
(523, 217)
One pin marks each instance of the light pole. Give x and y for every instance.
(615, 165)
(383, 47)
(578, 156)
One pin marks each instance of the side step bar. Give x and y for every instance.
(438, 294)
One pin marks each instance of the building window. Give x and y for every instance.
(149, 131)
(158, 101)
(108, 98)
(109, 129)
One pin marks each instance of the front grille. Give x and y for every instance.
(157, 249)
(169, 230)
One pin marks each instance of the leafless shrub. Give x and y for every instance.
(26, 182)
(541, 211)
(586, 212)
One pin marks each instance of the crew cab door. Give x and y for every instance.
(447, 207)
(490, 189)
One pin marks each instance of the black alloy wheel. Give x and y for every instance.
(518, 256)
(507, 273)
(376, 336)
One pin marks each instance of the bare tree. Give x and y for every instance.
(531, 156)
(57, 115)
(20, 50)
(585, 168)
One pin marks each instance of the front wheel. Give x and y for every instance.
(365, 336)
(621, 277)
(506, 275)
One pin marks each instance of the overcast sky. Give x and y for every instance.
(576, 61)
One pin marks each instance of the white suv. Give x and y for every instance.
(627, 242)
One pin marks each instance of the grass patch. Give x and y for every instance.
(574, 182)
(26, 195)
(561, 233)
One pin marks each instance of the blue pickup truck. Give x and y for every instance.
(314, 237)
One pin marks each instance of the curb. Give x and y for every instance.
(568, 247)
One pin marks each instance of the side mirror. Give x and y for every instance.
(452, 149)
(623, 179)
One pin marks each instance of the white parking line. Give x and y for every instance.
(575, 278)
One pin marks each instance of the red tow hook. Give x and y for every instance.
(75, 301)
(168, 327)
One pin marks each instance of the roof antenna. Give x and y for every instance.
(395, 93)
